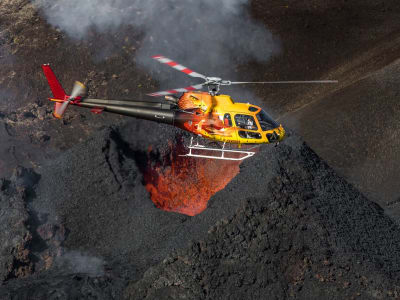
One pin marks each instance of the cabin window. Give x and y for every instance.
(266, 122)
(227, 120)
(245, 122)
(249, 134)
(253, 108)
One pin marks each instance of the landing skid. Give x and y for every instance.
(226, 153)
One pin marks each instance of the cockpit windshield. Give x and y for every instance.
(266, 122)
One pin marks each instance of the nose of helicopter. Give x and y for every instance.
(276, 135)
(282, 132)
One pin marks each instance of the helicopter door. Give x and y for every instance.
(247, 129)
(228, 126)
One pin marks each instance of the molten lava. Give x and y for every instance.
(185, 184)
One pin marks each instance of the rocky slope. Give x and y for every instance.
(287, 225)
(304, 233)
(15, 236)
(358, 132)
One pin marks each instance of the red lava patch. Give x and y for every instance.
(185, 184)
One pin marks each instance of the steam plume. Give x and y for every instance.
(207, 35)
(77, 262)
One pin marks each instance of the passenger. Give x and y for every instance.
(227, 120)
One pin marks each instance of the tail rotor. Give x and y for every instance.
(78, 90)
(60, 98)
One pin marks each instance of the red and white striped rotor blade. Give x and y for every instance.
(175, 91)
(175, 65)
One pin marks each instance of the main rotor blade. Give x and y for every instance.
(78, 90)
(175, 91)
(284, 82)
(172, 64)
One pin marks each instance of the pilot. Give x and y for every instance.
(249, 124)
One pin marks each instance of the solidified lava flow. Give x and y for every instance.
(185, 184)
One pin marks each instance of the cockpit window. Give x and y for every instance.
(266, 122)
(245, 122)
(253, 108)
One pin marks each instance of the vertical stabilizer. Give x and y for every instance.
(55, 86)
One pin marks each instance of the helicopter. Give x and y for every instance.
(233, 129)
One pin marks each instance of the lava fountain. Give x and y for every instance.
(185, 184)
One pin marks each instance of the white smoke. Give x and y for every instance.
(77, 262)
(210, 36)
(76, 17)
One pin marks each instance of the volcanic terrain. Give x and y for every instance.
(103, 207)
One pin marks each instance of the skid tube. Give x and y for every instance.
(193, 147)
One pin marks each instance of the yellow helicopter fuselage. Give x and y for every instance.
(221, 119)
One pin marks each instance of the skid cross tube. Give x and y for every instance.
(223, 151)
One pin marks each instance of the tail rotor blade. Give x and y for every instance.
(59, 112)
(284, 82)
(78, 90)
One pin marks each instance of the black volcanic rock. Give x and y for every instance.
(301, 231)
(15, 238)
(96, 191)
(55, 286)
(287, 225)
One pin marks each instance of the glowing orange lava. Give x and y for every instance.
(184, 184)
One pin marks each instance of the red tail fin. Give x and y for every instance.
(55, 86)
